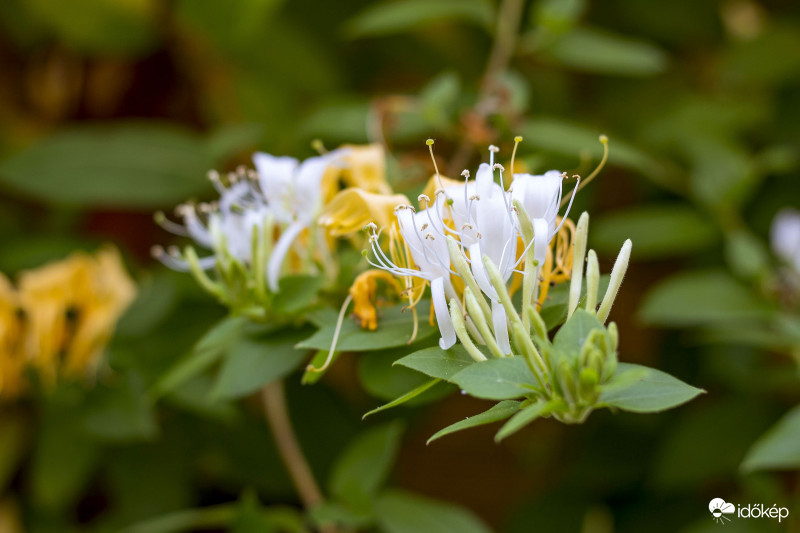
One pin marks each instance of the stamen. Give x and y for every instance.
(339, 322)
(517, 140)
(430, 142)
(317, 145)
(604, 140)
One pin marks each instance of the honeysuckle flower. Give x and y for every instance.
(71, 309)
(352, 209)
(12, 356)
(785, 237)
(265, 216)
(60, 317)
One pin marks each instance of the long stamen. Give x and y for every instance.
(339, 322)
(600, 165)
(517, 140)
(430, 142)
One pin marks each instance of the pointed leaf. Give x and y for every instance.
(652, 392)
(208, 350)
(438, 363)
(404, 398)
(525, 416)
(496, 413)
(497, 379)
(399, 511)
(573, 333)
(394, 329)
(779, 447)
(365, 465)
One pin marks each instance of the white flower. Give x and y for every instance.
(293, 193)
(541, 198)
(283, 193)
(785, 236)
(424, 234)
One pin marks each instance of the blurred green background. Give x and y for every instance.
(113, 109)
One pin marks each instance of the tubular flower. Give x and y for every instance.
(352, 209)
(61, 317)
(451, 238)
(71, 308)
(265, 223)
(12, 357)
(364, 290)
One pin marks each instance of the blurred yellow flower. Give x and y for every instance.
(61, 317)
(364, 167)
(352, 209)
(12, 358)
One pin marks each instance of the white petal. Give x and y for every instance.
(539, 195)
(196, 229)
(279, 253)
(479, 271)
(541, 239)
(500, 323)
(785, 235)
(274, 175)
(484, 179)
(442, 312)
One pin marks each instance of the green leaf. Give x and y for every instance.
(296, 293)
(101, 26)
(383, 380)
(394, 329)
(700, 297)
(122, 413)
(557, 16)
(254, 362)
(497, 379)
(779, 447)
(438, 363)
(399, 16)
(208, 350)
(659, 231)
(570, 338)
(250, 517)
(365, 465)
(651, 392)
(438, 99)
(746, 254)
(134, 164)
(496, 413)
(317, 361)
(155, 299)
(597, 51)
(404, 398)
(525, 416)
(399, 511)
(214, 517)
(64, 457)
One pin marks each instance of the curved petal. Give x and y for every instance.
(274, 175)
(500, 325)
(540, 229)
(280, 251)
(442, 312)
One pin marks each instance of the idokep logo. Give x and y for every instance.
(722, 511)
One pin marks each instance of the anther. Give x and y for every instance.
(465, 173)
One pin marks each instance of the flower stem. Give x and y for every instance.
(274, 398)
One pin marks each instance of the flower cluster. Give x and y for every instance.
(59, 317)
(264, 225)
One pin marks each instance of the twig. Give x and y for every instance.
(277, 413)
(503, 48)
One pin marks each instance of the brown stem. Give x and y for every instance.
(277, 413)
(503, 48)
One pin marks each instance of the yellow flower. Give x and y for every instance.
(71, 308)
(363, 291)
(365, 168)
(352, 209)
(12, 358)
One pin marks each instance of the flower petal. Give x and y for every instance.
(442, 312)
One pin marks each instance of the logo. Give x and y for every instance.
(719, 508)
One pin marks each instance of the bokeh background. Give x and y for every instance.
(113, 109)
